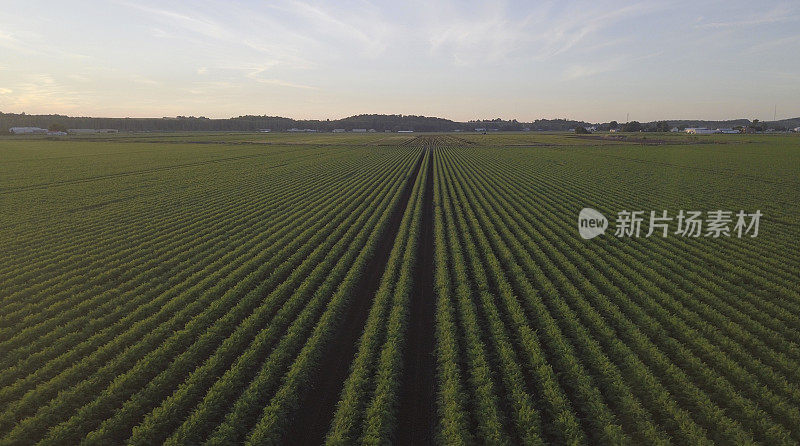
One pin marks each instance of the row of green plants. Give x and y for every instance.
(753, 417)
(272, 419)
(156, 346)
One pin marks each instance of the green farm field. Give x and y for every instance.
(243, 288)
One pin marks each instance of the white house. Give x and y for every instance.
(26, 130)
(699, 131)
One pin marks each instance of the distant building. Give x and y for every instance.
(359, 130)
(82, 131)
(26, 130)
(480, 129)
(405, 131)
(264, 130)
(699, 131)
(727, 131)
(371, 130)
(57, 133)
(613, 130)
(294, 130)
(339, 130)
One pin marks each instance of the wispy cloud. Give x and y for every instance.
(255, 73)
(366, 29)
(44, 88)
(592, 69)
(781, 13)
(785, 43)
(187, 21)
(502, 33)
(139, 79)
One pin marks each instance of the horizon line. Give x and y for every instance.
(388, 114)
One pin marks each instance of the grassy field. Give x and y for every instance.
(414, 288)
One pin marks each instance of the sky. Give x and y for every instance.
(588, 60)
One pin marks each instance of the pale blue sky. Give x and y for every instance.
(590, 60)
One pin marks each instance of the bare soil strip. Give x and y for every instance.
(417, 413)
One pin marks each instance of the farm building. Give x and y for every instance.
(699, 131)
(26, 130)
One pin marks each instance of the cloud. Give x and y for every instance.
(592, 69)
(139, 79)
(255, 72)
(41, 88)
(200, 25)
(779, 14)
(501, 34)
(788, 43)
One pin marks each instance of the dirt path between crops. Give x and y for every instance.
(314, 415)
(417, 412)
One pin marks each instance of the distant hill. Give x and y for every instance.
(377, 122)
